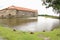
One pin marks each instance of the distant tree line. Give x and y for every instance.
(50, 16)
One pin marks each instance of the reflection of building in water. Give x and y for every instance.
(18, 12)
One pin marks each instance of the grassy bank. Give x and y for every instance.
(9, 34)
(50, 16)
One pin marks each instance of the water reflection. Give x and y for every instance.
(31, 26)
(41, 24)
(15, 21)
(46, 23)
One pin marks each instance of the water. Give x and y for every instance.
(46, 24)
(40, 24)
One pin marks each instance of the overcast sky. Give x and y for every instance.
(32, 4)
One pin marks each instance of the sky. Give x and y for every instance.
(31, 4)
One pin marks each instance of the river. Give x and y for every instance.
(31, 25)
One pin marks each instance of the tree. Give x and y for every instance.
(55, 4)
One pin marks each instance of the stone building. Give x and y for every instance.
(20, 12)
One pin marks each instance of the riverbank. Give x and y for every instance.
(9, 34)
(50, 16)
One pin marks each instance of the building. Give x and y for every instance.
(19, 12)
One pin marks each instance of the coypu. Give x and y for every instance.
(43, 30)
(14, 29)
(31, 32)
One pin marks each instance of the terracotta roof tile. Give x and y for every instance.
(21, 8)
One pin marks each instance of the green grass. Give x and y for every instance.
(9, 34)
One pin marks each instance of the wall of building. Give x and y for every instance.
(17, 13)
(26, 14)
(6, 13)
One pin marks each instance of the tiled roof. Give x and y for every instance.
(21, 8)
